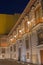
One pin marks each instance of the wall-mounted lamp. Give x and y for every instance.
(20, 31)
(28, 22)
(11, 39)
(15, 36)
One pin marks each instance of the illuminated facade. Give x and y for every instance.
(25, 41)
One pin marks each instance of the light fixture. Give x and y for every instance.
(28, 22)
(15, 36)
(11, 39)
(42, 17)
(20, 31)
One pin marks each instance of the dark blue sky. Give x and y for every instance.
(12, 6)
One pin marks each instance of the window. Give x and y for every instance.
(14, 48)
(27, 42)
(11, 48)
(3, 50)
(20, 41)
(38, 14)
(40, 36)
(27, 55)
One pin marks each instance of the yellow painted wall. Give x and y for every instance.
(2, 23)
(7, 22)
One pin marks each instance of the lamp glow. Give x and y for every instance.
(11, 39)
(28, 22)
(15, 36)
(19, 30)
(42, 17)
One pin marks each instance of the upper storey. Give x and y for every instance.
(31, 16)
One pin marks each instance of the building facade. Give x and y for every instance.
(25, 41)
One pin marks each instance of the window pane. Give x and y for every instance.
(27, 43)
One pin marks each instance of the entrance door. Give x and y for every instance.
(41, 54)
(19, 58)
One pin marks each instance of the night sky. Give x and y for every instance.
(12, 6)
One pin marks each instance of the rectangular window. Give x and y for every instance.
(27, 55)
(27, 43)
(14, 48)
(11, 48)
(40, 36)
(38, 14)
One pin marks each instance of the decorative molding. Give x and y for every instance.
(26, 10)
